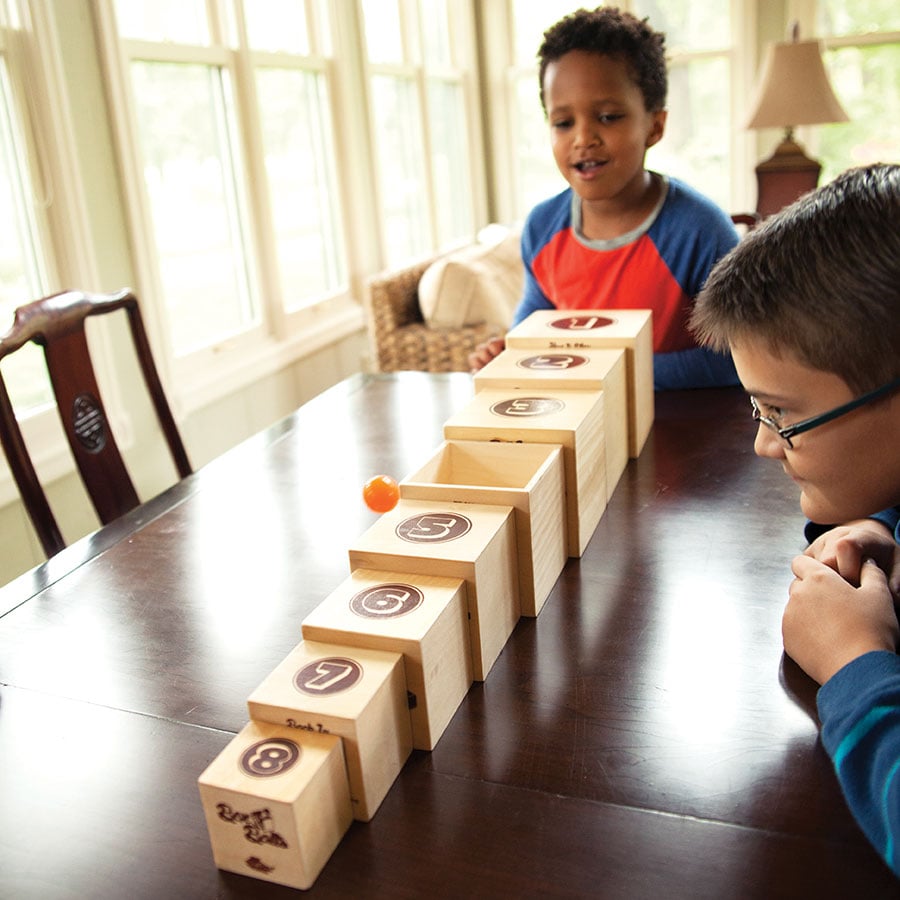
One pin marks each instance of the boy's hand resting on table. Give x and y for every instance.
(828, 622)
(485, 352)
(845, 547)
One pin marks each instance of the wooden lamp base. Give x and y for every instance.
(784, 176)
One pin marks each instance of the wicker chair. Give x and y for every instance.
(400, 338)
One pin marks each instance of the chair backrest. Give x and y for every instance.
(56, 323)
(749, 220)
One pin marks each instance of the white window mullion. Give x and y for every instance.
(236, 186)
(744, 65)
(261, 235)
(422, 82)
(140, 223)
(360, 187)
(173, 53)
(464, 35)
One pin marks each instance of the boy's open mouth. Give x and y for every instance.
(588, 165)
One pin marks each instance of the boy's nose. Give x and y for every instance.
(768, 444)
(586, 135)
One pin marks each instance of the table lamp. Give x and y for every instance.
(794, 90)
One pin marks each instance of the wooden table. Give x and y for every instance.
(642, 737)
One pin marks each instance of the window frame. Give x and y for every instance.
(285, 336)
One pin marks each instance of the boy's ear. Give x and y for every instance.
(657, 127)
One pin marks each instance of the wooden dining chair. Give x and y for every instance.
(57, 323)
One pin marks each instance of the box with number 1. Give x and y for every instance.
(628, 329)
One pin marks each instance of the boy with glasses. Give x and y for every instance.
(809, 305)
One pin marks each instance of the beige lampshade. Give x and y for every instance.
(794, 89)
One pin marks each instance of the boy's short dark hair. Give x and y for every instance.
(608, 31)
(819, 280)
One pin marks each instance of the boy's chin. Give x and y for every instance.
(818, 511)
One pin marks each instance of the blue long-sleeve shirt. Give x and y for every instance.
(860, 712)
(859, 708)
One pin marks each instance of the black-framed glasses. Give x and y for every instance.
(786, 432)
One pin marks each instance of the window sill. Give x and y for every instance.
(230, 367)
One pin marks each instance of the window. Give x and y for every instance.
(234, 145)
(422, 114)
(862, 56)
(277, 152)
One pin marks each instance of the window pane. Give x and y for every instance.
(302, 183)
(687, 25)
(21, 270)
(384, 34)
(180, 21)
(845, 17)
(435, 33)
(536, 172)
(865, 80)
(531, 18)
(277, 25)
(696, 144)
(450, 161)
(184, 113)
(398, 137)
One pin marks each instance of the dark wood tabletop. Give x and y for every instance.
(642, 737)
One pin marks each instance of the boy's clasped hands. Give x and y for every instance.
(842, 600)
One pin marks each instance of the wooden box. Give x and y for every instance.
(277, 803)
(472, 542)
(570, 419)
(357, 694)
(424, 617)
(528, 477)
(628, 329)
(585, 370)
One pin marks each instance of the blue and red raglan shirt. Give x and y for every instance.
(660, 266)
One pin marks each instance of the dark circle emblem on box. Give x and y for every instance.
(329, 675)
(582, 323)
(433, 528)
(268, 757)
(552, 362)
(387, 601)
(525, 407)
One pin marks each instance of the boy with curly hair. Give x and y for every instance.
(620, 236)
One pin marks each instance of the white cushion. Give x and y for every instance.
(480, 283)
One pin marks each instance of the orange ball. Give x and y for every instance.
(381, 493)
